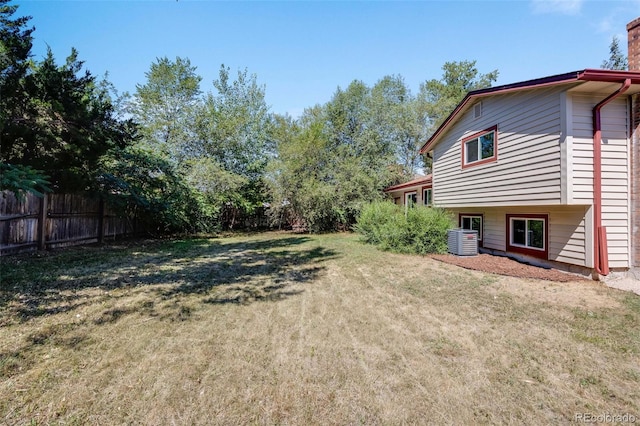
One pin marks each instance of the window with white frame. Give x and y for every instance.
(528, 234)
(410, 199)
(480, 147)
(427, 197)
(472, 222)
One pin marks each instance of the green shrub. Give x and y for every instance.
(419, 229)
(428, 229)
(373, 220)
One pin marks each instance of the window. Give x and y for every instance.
(480, 148)
(528, 234)
(472, 222)
(410, 198)
(427, 197)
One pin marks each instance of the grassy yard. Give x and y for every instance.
(279, 328)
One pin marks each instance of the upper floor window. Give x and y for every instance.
(480, 148)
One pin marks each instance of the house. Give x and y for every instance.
(547, 170)
(415, 192)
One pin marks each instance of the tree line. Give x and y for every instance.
(184, 159)
(188, 158)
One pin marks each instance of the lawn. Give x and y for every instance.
(279, 328)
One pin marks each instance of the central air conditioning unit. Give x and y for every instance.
(462, 242)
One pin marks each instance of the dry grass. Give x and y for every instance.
(277, 328)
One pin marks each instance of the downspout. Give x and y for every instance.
(600, 249)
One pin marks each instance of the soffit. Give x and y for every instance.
(603, 88)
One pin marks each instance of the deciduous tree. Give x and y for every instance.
(234, 144)
(166, 107)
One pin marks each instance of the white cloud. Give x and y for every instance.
(605, 25)
(564, 7)
(614, 22)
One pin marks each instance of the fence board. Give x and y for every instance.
(67, 219)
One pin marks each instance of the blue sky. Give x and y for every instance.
(302, 51)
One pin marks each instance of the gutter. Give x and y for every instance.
(600, 245)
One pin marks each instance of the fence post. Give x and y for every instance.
(42, 223)
(101, 220)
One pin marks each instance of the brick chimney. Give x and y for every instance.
(633, 37)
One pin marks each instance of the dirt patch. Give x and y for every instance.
(505, 266)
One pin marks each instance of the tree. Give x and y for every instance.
(143, 184)
(166, 107)
(235, 145)
(301, 178)
(218, 143)
(15, 48)
(235, 125)
(617, 60)
(440, 97)
(401, 122)
(337, 157)
(61, 122)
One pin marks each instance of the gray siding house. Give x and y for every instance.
(548, 170)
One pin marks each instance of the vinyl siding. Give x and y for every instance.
(544, 165)
(528, 168)
(569, 241)
(615, 169)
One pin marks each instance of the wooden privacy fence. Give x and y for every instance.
(56, 220)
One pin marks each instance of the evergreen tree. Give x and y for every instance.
(617, 60)
(440, 97)
(55, 118)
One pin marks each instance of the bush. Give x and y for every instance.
(418, 230)
(373, 219)
(428, 229)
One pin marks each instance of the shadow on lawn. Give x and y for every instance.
(218, 270)
(250, 272)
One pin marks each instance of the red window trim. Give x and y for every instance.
(481, 216)
(540, 254)
(491, 159)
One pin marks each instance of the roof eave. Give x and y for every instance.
(427, 180)
(575, 76)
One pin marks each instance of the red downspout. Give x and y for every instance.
(600, 248)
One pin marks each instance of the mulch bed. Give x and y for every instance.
(505, 266)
